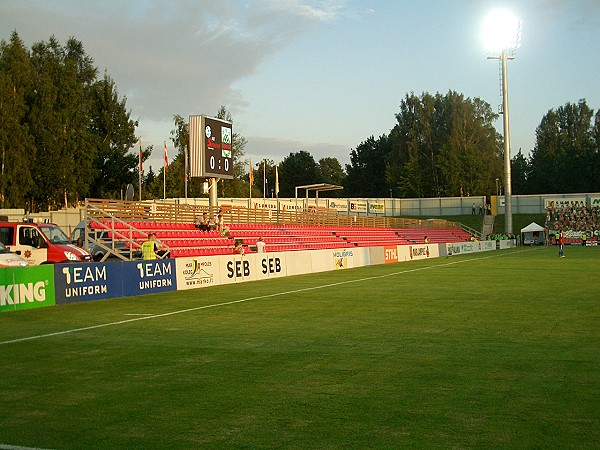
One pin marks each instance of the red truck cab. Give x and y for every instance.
(40, 243)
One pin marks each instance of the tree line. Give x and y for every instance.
(66, 134)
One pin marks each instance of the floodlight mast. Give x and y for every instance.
(508, 36)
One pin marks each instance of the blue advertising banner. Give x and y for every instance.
(148, 277)
(80, 282)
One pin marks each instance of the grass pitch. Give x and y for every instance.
(493, 350)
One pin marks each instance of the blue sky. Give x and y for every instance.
(320, 76)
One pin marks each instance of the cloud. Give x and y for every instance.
(177, 56)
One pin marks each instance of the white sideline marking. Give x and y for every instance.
(233, 302)
(18, 447)
(139, 314)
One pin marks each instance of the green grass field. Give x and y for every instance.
(493, 350)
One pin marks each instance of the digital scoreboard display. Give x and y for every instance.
(211, 147)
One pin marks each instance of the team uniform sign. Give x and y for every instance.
(87, 281)
(149, 277)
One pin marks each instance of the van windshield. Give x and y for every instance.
(54, 234)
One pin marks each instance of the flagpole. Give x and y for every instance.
(264, 178)
(277, 189)
(166, 165)
(141, 168)
(251, 180)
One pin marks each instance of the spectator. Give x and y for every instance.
(425, 240)
(203, 223)
(221, 228)
(261, 246)
(151, 249)
(239, 248)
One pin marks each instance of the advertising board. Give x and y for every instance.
(197, 272)
(390, 253)
(339, 205)
(358, 206)
(26, 288)
(269, 265)
(148, 277)
(82, 282)
(376, 208)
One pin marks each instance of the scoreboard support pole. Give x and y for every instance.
(212, 198)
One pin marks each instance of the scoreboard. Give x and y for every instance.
(211, 147)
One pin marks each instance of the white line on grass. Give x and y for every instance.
(233, 302)
(18, 447)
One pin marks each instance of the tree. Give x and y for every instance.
(65, 134)
(113, 131)
(566, 150)
(330, 171)
(366, 173)
(59, 122)
(296, 169)
(519, 174)
(17, 149)
(443, 145)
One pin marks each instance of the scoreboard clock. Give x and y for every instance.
(211, 147)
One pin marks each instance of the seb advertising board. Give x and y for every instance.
(236, 268)
(26, 288)
(87, 281)
(269, 265)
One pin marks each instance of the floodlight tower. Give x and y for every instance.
(502, 34)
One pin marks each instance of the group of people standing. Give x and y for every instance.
(482, 209)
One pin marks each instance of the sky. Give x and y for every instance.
(319, 76)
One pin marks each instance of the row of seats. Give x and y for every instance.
(184, 239)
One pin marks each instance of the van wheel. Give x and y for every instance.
(98, 256)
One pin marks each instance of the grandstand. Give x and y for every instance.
(174, 227)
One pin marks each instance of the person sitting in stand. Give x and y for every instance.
(425, 240)
(203, 223)
(239, 248)
(198, 222)
(221, 228)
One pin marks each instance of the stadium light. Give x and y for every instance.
(502, 36)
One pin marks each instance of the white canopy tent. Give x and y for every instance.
(533, 234)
